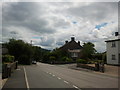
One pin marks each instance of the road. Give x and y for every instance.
(53, 76)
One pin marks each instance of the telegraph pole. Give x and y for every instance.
(31, 42)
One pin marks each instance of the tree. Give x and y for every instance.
(36, 53)
(21, 50)
(88, 50)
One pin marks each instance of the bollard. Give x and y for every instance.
(97, 66)
(16, 66)
(102, 69)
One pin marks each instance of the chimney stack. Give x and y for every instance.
(72, 38)
(116, 33)
(66, 42)
(78, 42)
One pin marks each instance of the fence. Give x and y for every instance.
(7, 69)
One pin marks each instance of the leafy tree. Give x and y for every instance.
(37, 53)
(20, 49)
(88, 50)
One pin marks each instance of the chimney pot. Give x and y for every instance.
(66, 42)
(72, 38)
(78, 42)
(116, 33)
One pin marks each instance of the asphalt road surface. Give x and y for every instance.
(37, 77)
(53, 76)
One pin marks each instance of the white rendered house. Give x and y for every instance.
(113, 51)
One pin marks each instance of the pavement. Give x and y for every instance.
(58, 77)
(17, 79)
(110, 70)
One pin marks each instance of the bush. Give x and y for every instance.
(82, 61)
(8, 58)
(69, 60)
(52, 58)
(98, 61)
(66, 59)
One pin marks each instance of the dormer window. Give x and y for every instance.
(113, 44)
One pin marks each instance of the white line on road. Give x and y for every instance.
(53, 75)
(75, 86)
(26, 80)
(66, 82)
(50, 73)
(58, 77)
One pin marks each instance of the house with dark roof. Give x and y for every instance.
(73, 48)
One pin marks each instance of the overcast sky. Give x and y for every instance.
(50, 24)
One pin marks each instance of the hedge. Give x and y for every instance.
(8, 58)
(82, 61)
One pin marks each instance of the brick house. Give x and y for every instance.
(73, 48)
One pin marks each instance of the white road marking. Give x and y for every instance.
(50, 73)
(53, 75)
(58, 77)
(26, 79)
(66, 82)
(18, 69)
(75, 86)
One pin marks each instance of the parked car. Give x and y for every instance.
(34, 62)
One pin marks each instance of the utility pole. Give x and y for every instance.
(31, 42)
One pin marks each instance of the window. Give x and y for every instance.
(113, 57)
(113, 44)
(74, 54)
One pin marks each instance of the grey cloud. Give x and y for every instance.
(97, 11)
(28, 15)
(61, 23)
(49, 42)
(22, 20)
(60, 43)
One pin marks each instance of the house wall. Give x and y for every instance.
(119, 52)
(113, 51)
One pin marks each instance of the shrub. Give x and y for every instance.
(52, 58)
(98, 61)
(8, 58)
(82, 61)
(63, 58)
(69, 60)
(66, 59)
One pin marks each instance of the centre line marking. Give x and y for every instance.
(53, 75)
(66, 82)
(75, 86)
(59, 78)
